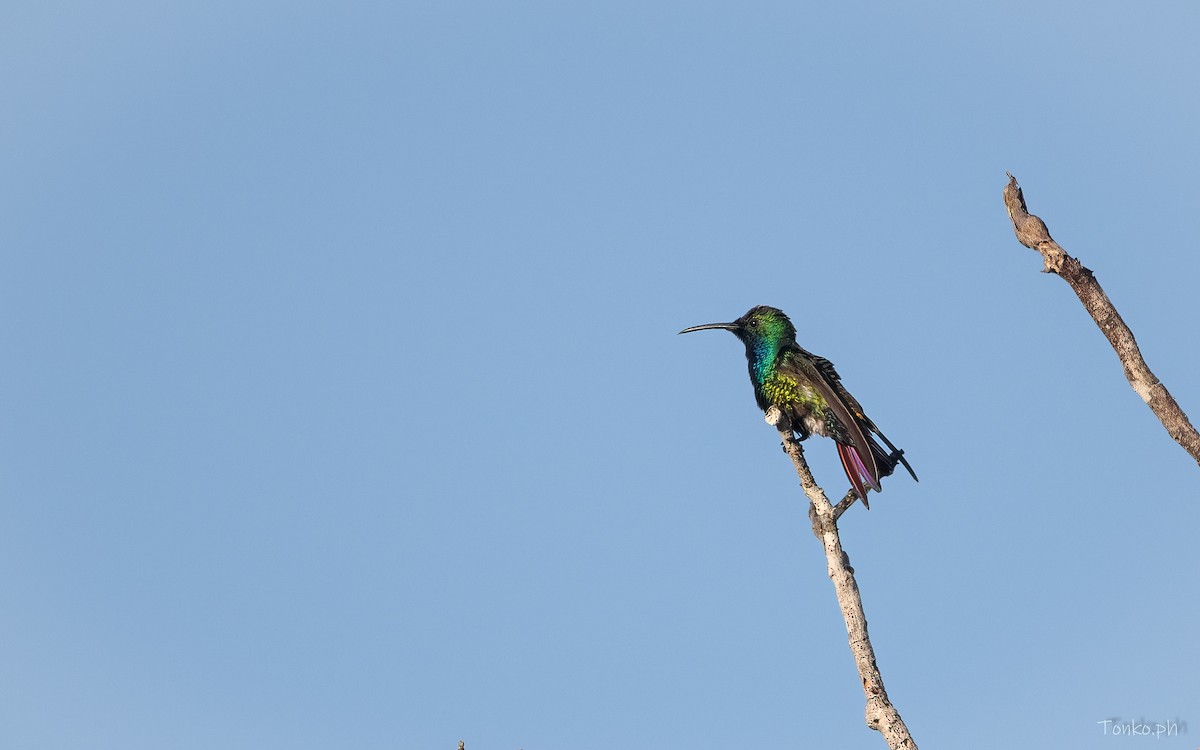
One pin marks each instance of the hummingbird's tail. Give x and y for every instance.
(886, 461)
(857, 472)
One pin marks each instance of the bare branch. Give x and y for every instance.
(1031, 232)
(881, 715)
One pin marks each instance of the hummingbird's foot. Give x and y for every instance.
(784, 443)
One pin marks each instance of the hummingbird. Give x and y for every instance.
(810, 392)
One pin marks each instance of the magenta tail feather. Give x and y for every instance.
(857, 472)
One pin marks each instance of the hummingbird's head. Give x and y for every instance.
(760, 324)
(767, 324)
(764, 330)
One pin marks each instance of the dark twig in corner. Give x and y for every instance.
(1032, 233)
(881, 715)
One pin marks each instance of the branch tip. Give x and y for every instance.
(1032, 232)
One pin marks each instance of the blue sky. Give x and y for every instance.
(344, 405)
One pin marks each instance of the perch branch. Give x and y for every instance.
(1032, 233)
(881, 715)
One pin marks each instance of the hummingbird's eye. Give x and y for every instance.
(754, 324)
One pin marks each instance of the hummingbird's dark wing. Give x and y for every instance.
(885, 461)
(854, 447)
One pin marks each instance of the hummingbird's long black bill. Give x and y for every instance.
(711, 327)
